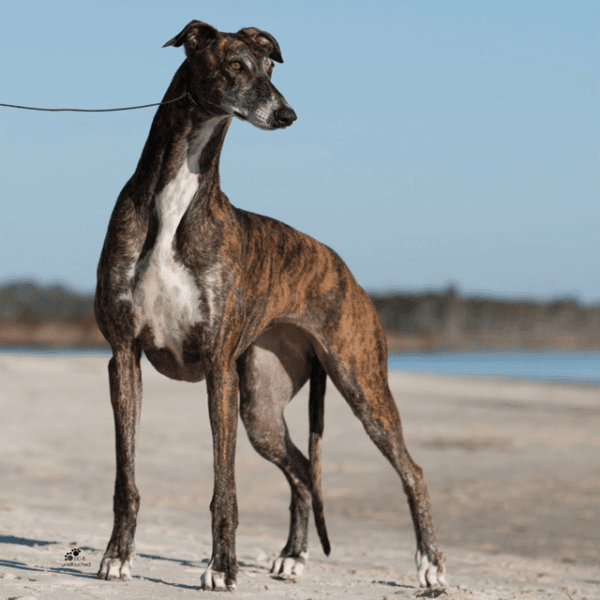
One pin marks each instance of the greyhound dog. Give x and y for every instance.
(209, 291)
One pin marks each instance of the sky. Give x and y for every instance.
(437, 143)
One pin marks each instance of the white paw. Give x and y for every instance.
(214, 580)
(290, 566)
(428, 573)
(115, 568)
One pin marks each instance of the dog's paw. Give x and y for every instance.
(215, 581)
(115, 568)
(431, 569)
(289, 566)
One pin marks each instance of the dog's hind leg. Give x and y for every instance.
(384, 428)
(365, 388)
(379, 415)
(126, 397)
(271, 372)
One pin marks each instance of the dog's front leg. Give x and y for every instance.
(223, 409)
(126, 396)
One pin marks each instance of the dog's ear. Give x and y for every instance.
(194, 35)
(264, 39)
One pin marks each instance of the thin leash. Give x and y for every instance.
(98, 109)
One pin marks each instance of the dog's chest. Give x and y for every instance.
(167, 298)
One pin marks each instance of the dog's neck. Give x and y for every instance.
(184, 144)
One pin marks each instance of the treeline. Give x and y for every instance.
(27, 302)
(447, 320)
(56, 316)
(34, 315)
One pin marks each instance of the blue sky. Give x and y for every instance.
(436, 142)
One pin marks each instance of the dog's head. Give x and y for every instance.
(231, 73)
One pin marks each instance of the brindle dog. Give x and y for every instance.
(209, 291)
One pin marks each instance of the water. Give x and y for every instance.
(583, 367)
(51, 351)
(580, 367)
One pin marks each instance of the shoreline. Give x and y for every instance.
(61, 334)
(590, 382)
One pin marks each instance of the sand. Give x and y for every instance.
(513, 471)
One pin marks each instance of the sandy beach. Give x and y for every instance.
(512, 469)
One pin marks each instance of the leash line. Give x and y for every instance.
(96, 109)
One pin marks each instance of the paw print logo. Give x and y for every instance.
(72, 554)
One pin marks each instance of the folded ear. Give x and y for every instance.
(193, 36)
(264, 39)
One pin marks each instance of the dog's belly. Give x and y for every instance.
(167, 363)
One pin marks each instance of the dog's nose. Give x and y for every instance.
(284, 116)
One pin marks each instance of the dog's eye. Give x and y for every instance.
(236, 65)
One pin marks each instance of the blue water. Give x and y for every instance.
(581, 367)
(50, 351)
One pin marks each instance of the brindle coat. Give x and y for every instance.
(209, 291)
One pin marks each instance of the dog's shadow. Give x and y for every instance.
(12, 539)
(32, 543)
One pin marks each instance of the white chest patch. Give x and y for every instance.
(166, 296)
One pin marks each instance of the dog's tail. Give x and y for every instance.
(316, 409)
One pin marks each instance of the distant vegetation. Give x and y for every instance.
(47, 316)
(445, 320)
(54, 316)
(30, 302)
